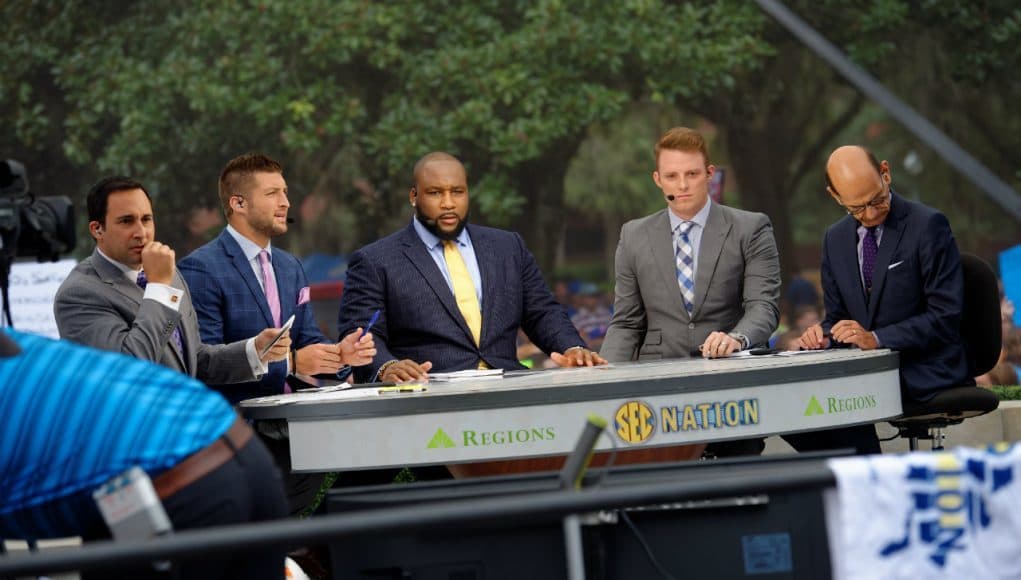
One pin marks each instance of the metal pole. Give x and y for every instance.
(969, 167)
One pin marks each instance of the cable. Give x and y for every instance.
(645, 546)
(627, 519)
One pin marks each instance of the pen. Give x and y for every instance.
(368, 327)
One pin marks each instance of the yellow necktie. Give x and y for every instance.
(464, 289)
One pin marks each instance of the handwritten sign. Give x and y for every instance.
(32, 290)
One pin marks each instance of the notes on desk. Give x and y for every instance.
(466, 375)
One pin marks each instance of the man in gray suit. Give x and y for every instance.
(697, 278)
(128, 297)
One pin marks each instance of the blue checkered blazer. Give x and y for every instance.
(232, 306)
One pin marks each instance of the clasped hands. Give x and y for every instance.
(314, 359)
(406, 370)
(355, 350)
(846, 331)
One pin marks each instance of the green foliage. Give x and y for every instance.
(1007, 393)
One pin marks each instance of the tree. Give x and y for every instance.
(345, 93)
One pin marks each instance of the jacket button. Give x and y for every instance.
(691, 325)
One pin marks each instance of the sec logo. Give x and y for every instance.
(635, 422)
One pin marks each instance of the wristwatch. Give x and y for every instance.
(740, 338)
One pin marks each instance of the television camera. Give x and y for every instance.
(30, 226)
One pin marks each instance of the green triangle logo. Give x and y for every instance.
(441, 439)
(814, 408)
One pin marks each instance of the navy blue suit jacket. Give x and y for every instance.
(231, 305)
(419, 318)
(917, 292)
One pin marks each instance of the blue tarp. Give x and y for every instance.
(1010, 274)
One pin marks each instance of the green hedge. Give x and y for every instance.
(1011, 393)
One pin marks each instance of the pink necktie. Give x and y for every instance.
(270, 288)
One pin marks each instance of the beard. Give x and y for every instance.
(433, 226)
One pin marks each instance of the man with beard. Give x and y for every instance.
(451, 296)
(239, 281)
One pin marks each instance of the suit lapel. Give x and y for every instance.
(490, 274)
(189, 334)
(112, 275)
(244, 270)
(893, 229)
(716, 230)
(420, 259)
(661, 241)
(285, 286)
(848, 269)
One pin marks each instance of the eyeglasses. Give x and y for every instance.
(880, 200)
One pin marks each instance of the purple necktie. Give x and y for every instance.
(142, 281)
(869, 249)
(269, 283)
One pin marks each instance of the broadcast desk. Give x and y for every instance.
(533, 414)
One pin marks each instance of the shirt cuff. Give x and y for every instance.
(879, 343)
(740, 338)
(258, 367)
(164, 294)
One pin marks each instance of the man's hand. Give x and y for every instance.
(279, 351)
(357, 351)
(317, 359)
(851, 332)
(719, 344)
(405, 371)
(158, 262)
(813, 338)
(577, 357)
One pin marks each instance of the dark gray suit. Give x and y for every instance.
(737, 286)
(99, 307)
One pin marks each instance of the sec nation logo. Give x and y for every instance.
(635, 422)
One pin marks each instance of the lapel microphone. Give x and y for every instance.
(669, 197)
(290, 220)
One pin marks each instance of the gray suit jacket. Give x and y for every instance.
(99, 307)
(737, 286)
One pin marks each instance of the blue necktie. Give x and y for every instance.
(142, 281)
(685, 259)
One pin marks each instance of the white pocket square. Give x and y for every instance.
(894, 265)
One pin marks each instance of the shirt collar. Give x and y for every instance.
(250, 248)
(128, 272)
(431, 241)
(699, 218)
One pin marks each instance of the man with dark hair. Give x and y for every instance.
(695, 278)
(128, 297)
(891, 277)
(59, 400)
(451, 296)
(239, 281)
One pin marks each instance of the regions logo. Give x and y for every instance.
(949, 502)
(440, 440)
(840, 405)
(476, 438)
(635, 422)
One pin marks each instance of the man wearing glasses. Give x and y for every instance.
(891, 276)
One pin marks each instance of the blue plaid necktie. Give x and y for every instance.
(142, 281)
(685, 260)
(869, 249)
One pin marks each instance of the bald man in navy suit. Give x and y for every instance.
(424, 323)
(891, 276)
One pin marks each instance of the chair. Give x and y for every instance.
(982, 337)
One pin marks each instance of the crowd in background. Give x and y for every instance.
(589, 309)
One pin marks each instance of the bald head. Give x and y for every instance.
(434, 157)
(859, 182)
